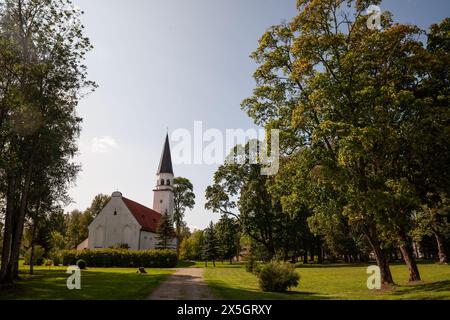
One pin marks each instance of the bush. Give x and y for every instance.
(122, 246)
(38, 256)
(120, 258)
(81, 264)
(278, 277)
(56, 257)
(251, 265)
(48, 262)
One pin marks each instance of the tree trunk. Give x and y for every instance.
(380, 256)
(311, 253)
(5, 271)
(319, 252)
(408, 256)
(18, 232)
(178, 240)
(443, 258)
(305, 257)
(33, 247)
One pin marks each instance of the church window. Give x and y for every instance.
(168, 182)
(162, 182)
(160, 201)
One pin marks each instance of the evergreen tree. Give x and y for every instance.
(228, 236)
(210, 245)
(165, 232)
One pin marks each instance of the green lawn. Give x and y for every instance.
(332, 282)
(231, 282)
(96, 284)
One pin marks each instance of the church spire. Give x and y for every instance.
(165, 165)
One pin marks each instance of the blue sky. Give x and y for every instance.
(168, 63)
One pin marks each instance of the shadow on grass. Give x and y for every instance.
(233, 293)
(197, 264)
(95, 285)
(440, 286)
(185, 264)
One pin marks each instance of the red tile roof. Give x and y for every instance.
(146, 217)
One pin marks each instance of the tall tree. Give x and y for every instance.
(38, 124)
(74, 233)
(165, 232)
(184, 198)
(240, 191)
(210, 245)
(228, 236)
(354, 102)
(192, 247)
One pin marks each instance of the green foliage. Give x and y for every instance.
(228, 237)
(122, 246)
(191, 248)
(81, 264)
(240, 191)
(210, 244)
(364, 124)
(56, 257)
(57, 241)
(251, 264)
(183, 198)
(278, 277)
(48, 262)
(165, 232)
(38, 256)
(42, 49)
(121, 258)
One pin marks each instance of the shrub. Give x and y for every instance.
(122, 246)
(251, 265)
(48, 262)
(121, 258)
(38, 256)
(278, 277)
(81, 264)
(56, 257)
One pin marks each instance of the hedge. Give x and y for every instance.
(105, 258)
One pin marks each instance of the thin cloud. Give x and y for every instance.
(104, 144)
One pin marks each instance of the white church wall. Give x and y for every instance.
(148, 240)
(115, 224)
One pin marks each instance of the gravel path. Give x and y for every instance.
(184, 284)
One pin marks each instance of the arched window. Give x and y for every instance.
(168, 182)
(162, 182)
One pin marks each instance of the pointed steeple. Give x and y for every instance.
(165, 165)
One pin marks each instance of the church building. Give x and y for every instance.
(124, 221)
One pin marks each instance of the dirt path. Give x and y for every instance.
(184, 284)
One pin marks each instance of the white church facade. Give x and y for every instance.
(124, 221)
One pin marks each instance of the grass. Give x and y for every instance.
(230, 282)
(334, 282)
(96, 284)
